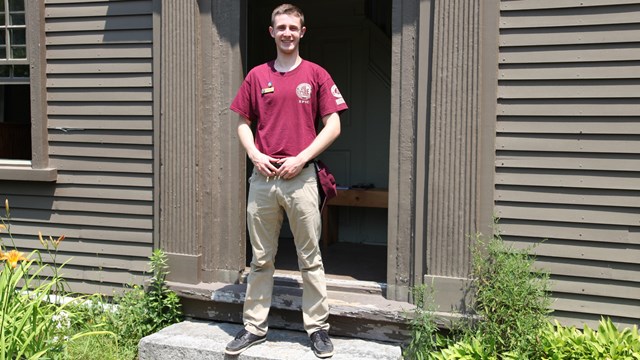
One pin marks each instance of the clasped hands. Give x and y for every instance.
(285, 168)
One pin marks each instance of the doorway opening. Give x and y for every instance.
(352, 41)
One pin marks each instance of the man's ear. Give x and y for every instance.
(303, 31)
(271, 32)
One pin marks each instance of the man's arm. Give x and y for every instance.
(292, 166)
(261, 162)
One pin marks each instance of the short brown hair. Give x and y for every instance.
(287, 9)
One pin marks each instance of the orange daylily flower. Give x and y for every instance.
(2, 227)
(57, 242)
(12, 258)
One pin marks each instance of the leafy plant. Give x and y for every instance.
(512, 304)
(425, 336)
(32, 326)
(138, 313)
(511, 298)
(163, 304)
(511, 308)
(607, 342)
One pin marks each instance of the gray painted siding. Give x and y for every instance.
(99, 107)
(567, 146)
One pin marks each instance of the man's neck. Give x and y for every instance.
(287, 62)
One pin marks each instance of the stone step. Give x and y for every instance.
(207, 340)
(360, 314)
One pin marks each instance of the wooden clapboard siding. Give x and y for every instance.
(567, 146)
(91, 24)
(100, 121)
(97, 122)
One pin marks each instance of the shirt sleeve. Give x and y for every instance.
(241, 104)
(330, 99)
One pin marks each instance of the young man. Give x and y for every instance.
(283, 98)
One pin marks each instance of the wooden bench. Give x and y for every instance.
(368, 198)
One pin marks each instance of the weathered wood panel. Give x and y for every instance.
(593, 197)
(622, 34)
(96, 122)
(69, 163)
(101, 150)
(100, 66)
(569, 179)
(86, 9)
(603, 70)
(100, 111)
(593, 305)
(572, 107)
(569, 54)
(589, 269)
(100, 94)
(577, 250)
(613, 162)
(99, 37)
(74, 204)
(99, 81)
(557, 230)
(596, 287)
(102, 137)
(119, 51)
(100, 24)
(77, 1)
(572, 17)
(76, 234)
(568, 125)
(554, 4)
(567, 145)
(90, 178)
(625, 144)
(569, 89)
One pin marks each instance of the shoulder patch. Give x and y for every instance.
(336, 93)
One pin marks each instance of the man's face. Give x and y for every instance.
(287, 31)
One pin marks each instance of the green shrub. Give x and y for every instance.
(512, 304)
(141, 313)
(134, 314)
(511, 307)
(425, 336)
(569, 343)
(511, 298)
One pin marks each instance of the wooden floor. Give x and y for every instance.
(341, 260)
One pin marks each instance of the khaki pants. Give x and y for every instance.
(268, 199)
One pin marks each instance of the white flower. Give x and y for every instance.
(62, 320)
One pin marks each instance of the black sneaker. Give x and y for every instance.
(242, 342)
(321, 344)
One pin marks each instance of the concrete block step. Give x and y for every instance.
(207, 340)
(361, 315)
